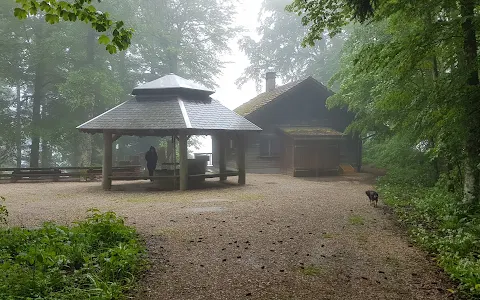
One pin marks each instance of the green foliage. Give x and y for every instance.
(3, 212)
(99, 259)
(415, 168)
(79, 10)
(439, 222)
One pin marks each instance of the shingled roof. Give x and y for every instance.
(170, 103)
(267, 97)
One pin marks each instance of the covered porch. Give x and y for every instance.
(172, 106)
(310, 151)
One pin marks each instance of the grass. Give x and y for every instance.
(311, 271)
(98, 258)
(356, 220)
(326, 235)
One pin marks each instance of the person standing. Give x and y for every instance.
(151, 157)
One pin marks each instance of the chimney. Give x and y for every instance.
(270, 80)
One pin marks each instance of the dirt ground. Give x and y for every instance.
(275, 238)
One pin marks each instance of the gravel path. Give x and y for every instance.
(276, 238)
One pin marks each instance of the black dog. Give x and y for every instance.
(373, 196)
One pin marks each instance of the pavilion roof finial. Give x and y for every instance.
(171, 83)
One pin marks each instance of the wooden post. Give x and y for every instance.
(183, 161)
(107, 160)
(241, 158)
(293, 158)
(317, 150)
(222, 160)
(174, 161)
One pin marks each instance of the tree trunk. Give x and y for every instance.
(472, 105)
(38, 97)
(46, 160)
(18, 127)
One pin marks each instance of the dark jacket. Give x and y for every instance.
(151, 157)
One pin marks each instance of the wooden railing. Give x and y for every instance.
(58, 173)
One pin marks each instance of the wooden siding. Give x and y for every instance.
(288, 156)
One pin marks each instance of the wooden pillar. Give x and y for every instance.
(222, 159)
(107, 160)
(183, 161)
(317, 152)
(241, 159)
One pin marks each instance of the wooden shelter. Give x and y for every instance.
(301, 136)
(177, 107)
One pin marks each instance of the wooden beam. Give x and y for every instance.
(222, 159)
(183, 161)
(107, 160)
(116, 137)
(241, 159)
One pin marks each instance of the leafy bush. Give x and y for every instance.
(443, 225)
(3, 212)
(406, 164)
(98, 258)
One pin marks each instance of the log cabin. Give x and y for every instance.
(300, 137)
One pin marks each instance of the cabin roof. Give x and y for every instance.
(311, 131)
(267, 97)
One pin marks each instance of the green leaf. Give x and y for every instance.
(103, 39)
(119, 24)
(44, 6)
(111, 49)
(52, 19)
(91, 8)
(99, 27)
(72, 17)
(20, 13)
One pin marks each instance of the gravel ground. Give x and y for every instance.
(275, 238)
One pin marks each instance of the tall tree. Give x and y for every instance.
(279, 48)
(446, 25)
(186, 37)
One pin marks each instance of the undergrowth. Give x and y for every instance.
(98, 258)
(439, 222)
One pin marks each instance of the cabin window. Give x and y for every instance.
(269, 146)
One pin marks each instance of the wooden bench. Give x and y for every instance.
(35, 174)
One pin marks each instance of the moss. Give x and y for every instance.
(313, 131)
